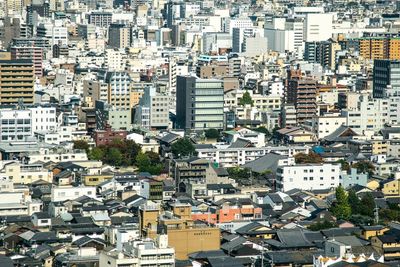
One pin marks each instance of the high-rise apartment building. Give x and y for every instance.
(379, 47)
(35, 9)
(153, 110)
(199, 103)
(301, 92)
(32, 53)
(118, 89)
(371, 114)
(100, 19)
(57, 33)
(94, 91)
(11, 29)
(284, 34)
(323, 53)
(386, 78)
(119, 36)
(14, 7)
(16, 81)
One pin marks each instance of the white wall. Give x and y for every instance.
(318, 27)
(65, 193)
(308, 177)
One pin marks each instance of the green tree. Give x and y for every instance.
(364, 166)
(246, 99)
(344, 164)
(129, 150)
(367, 205)
(212, 133)
(311, 157)
(153, 157)
(359, 219)
(354, 201)
(81, 144)
(389, 215)
(145, 164)
(97, 153)
(322, 225)
(155, 169)
(142, 161)
(183, 147)
(114, 156)
(238, 173)
(341, 208)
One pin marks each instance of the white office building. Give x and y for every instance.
(318, 27)
(56, 32)
(140, 253)
(231, 157)
(285, 34)
(308, 177)
(371, 114)
(239, 23)
(18, 124)
(153, 110)
(62, 193)
(325, 125)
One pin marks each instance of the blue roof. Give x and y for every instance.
(318, 149)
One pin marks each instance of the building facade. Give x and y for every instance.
(199, 103)
(308, 177)
(386, 78)
(16, 81)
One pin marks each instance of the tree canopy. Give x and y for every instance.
(117, 153)
(322, 225)
(239, 173)
(81, 144)
(183, 147)
(361, 209)
(212, 133)
(345, 166)
(246, 99)
(311, 157)
(364, 166)
(114, 156)
(341, 208)
(149, 162)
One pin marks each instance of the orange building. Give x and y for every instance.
(380, 47)
(229, 211)
(205, 216)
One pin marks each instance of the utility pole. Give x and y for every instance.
(376, 213)
(262, 255)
